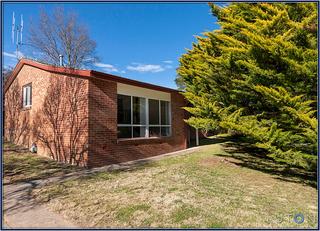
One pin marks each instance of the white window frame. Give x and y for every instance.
(147, 125)
(27, 96)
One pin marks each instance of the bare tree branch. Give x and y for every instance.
(62, 34)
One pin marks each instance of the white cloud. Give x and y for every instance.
(9, 54)
(107, 67)
(168, 61)
(13, 55)
(145, 68)
(168, 66)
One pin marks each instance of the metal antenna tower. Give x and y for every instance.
(16, 33)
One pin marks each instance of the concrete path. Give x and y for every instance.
(22, 211)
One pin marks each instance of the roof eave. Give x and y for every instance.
(123, 80)
(45, 67)
(81, 73)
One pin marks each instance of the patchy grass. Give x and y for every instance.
(21, 165)
(219, 185)
(126, 214)
(184, 212)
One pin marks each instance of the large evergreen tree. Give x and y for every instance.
(257, 75)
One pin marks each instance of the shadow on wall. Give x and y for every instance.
(16, 121)
(59, 126)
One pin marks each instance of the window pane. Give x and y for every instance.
(154, 131)
(139, 131)
(153, 111)
(139, 110)
(165, 118)
(124, 132)
(165, 131)
(28, 89)
(30, 95)
(124, 109)
(24, 96)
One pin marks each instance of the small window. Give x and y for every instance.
(27, 95)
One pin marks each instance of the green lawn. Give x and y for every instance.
(220, 185)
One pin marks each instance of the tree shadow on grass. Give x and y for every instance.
(23, 172)
(249, 156)
(215, 140)
(21, 166)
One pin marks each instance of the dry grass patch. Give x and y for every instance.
(180, 192)
(213, 161)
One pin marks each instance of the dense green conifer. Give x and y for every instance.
(257, 75)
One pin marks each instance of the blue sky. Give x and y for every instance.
(141, 41)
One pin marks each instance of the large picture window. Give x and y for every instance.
(141, 117)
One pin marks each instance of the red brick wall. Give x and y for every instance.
(104, 148)
(52, 96)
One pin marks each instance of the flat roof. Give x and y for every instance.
(80, 73)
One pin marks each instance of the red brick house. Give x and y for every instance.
(91, 118)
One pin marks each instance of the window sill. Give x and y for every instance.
(26, 108)
(141, 140)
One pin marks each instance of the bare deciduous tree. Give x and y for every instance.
(62, 34)
(6, 72)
